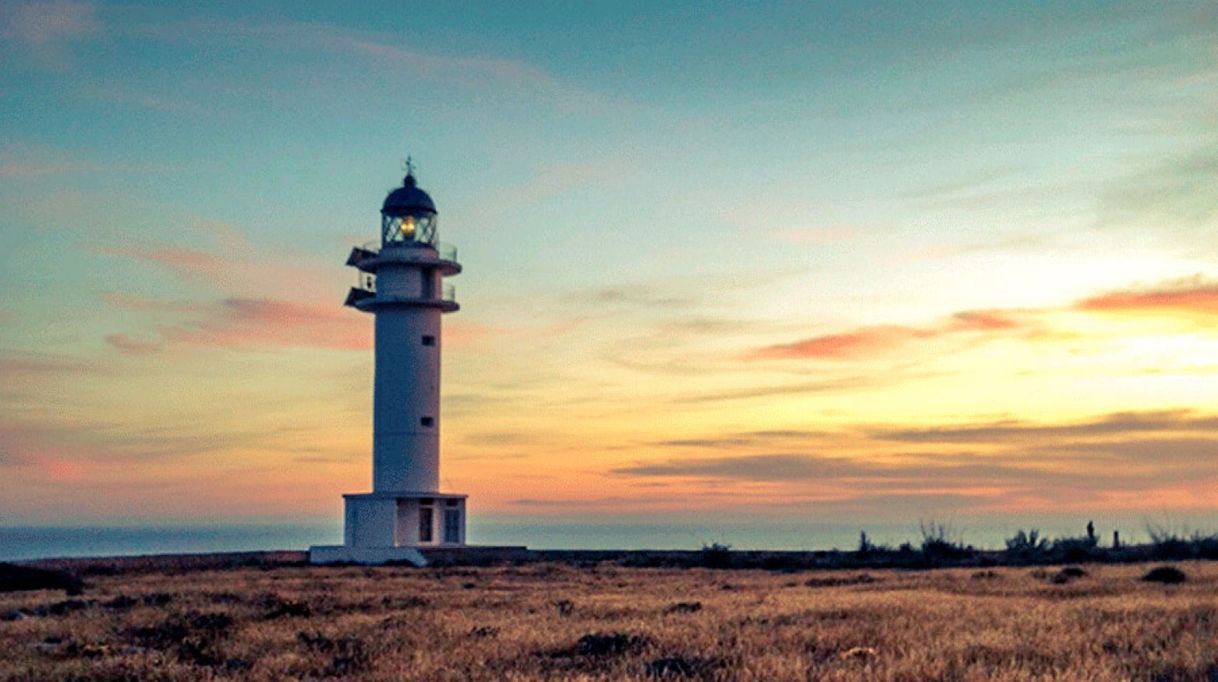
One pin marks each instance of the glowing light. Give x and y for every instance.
(408, 226)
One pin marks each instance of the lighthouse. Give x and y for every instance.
(401, 284)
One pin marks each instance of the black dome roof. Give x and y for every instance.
(407, 198)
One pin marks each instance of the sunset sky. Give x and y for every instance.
(867, 262)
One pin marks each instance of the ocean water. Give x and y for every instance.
(29, 542)
(48, 542)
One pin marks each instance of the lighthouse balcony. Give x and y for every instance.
(441, 256)
(365, 297)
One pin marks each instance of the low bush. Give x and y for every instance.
(1027, 546)
(837, 581)
(608, 644)
(1165, 575)
(684, 607)
(15, 578)
(684, 667)
(717, 555)
(1075, 549)
(1068, 574)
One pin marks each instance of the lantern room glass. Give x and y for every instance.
(417, 227)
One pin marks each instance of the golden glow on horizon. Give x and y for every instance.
(552, 425)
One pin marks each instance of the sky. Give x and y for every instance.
(861, 262)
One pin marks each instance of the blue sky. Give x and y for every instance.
(655, 206)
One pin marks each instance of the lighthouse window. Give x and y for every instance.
(429, 340)
(426, 516)
(427, 421)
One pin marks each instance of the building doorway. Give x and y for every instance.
(452, 526)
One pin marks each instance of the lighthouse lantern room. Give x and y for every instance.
(401, 283)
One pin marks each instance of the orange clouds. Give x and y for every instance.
(879, 338)
(1191, 297)
(239, 267)
(265, 323)
(183, 261)
(245, 323)
(237, 322)
(130, 345)
(832, 346)
(1194, 296)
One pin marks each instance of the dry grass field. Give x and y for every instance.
(559, 622)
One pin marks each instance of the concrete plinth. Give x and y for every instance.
(439, 555)
(345, 554)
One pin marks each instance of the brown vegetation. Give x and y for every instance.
(607, 622)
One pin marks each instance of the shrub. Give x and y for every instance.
(838, 581)
(1075, 549)
(937, 545)
(1026, 546)
(866, 546)
(1165, 575)
(608, 644)
(1167, 543)
(120, 603)
(684, 607)
(347, 655)
(1068, 574)
(717, 555)
(676, 667)
(16, 578)
(1205, 546)
(279, 607)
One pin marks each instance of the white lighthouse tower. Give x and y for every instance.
(401, 282)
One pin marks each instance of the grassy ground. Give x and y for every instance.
(555, 621)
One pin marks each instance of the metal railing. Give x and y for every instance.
(367, 282)
(444, 250)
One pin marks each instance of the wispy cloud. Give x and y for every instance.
(831, 385)
(1196, 295)
(237, 322)
(1020, 432)
(132, 345)
(771, 467)
(737, 440)
(46, 30)
(175, 103)
(1190, 297)
(396, 54)
(984, 466)
(184, 261)
(24, 161)
(870, 340)
(230, 262)
(633, 296)
(246, 323)
(1169, 195)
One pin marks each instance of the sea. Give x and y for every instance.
(40, 542)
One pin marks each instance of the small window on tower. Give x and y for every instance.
(429, 340)
(427, 421)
